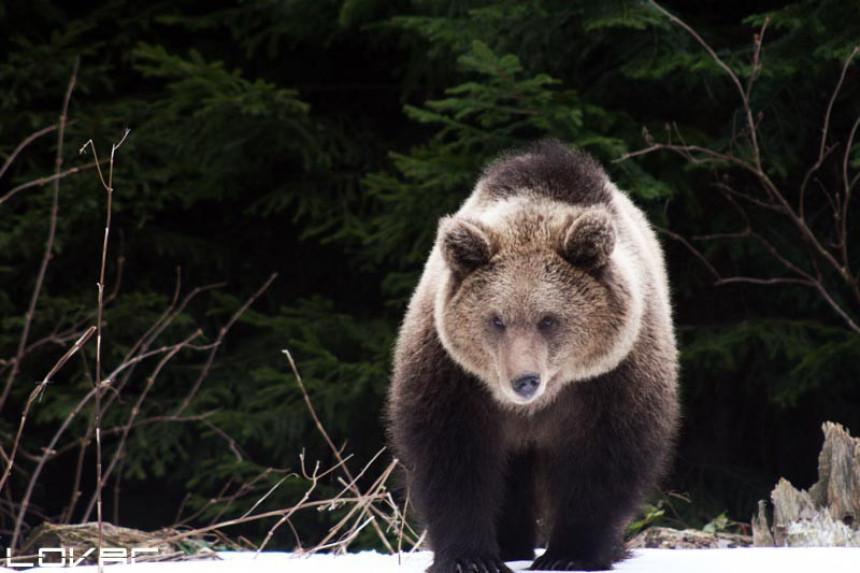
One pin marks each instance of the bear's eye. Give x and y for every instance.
(497, 323)
(547, 322)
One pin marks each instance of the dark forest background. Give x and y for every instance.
(321, 140)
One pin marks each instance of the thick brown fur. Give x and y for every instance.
(549, 272)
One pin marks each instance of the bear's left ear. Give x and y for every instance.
(589, 240)
(466, 245)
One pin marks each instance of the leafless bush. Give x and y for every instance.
(822, 263)
(372, 506)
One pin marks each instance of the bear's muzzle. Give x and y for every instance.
(527, 384)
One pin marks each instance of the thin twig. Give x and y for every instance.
(36, 394)
(285, 518)
(823, 150)
(221, 334)
(135, 411)
(140, 349)
(775, 199)
(693, 250)
(142, 343)
(732, 75)
(846, 201)
(275, 513)
(83, 445)
(268, 493)
(805, 279)
(108, 186)
(19, 520)
(41, 181)
(118, 430)
(21, 146)
(757, 281)
(325, 435)
(756, 62)
(49, 243)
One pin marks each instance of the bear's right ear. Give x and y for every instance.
(466, 245)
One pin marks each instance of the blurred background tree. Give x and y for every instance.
(322, 139)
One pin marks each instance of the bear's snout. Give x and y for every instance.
(527, 384)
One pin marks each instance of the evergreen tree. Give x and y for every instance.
(322, 140)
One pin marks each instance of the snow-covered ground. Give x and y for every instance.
(748, 560)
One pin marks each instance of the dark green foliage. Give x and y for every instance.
(322, 140)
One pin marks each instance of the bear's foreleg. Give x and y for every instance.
(590, 510)
(598, 476)
(456, 482)
(447, 430)
(516, 528)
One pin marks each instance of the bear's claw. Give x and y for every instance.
(471, 565)
(554, 563)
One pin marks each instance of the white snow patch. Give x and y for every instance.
(745, 560)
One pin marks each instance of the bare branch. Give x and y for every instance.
(819, 286)
(233, 444)
(722, 236)
(756, 63)
(734, 77)
(140, 349)
(755, 281)
(99, 323)
(276, 513)
(730, 193)
(135, 411)
(846, 201)
(823, 150)
(45, 180)
(686, 151)
(21, 146)
(117, 430)
(693, 250)
(325, 435)
(35, 395)
(775, 199)
(221, 334)
(47, 452)
(49, 243)
(801, 201)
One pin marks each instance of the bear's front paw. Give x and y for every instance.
(550, 562)
(470, 565)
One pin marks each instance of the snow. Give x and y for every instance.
(746, 560)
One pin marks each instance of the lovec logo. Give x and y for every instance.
(65, 556)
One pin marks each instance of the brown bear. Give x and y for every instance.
(535, 371)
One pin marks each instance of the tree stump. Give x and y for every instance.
(826, 515)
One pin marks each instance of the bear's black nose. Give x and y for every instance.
(526, 385)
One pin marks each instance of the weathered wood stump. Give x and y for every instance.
(826, 515)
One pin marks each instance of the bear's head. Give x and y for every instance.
(535, 296)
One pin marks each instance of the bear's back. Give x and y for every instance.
(547, 169)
